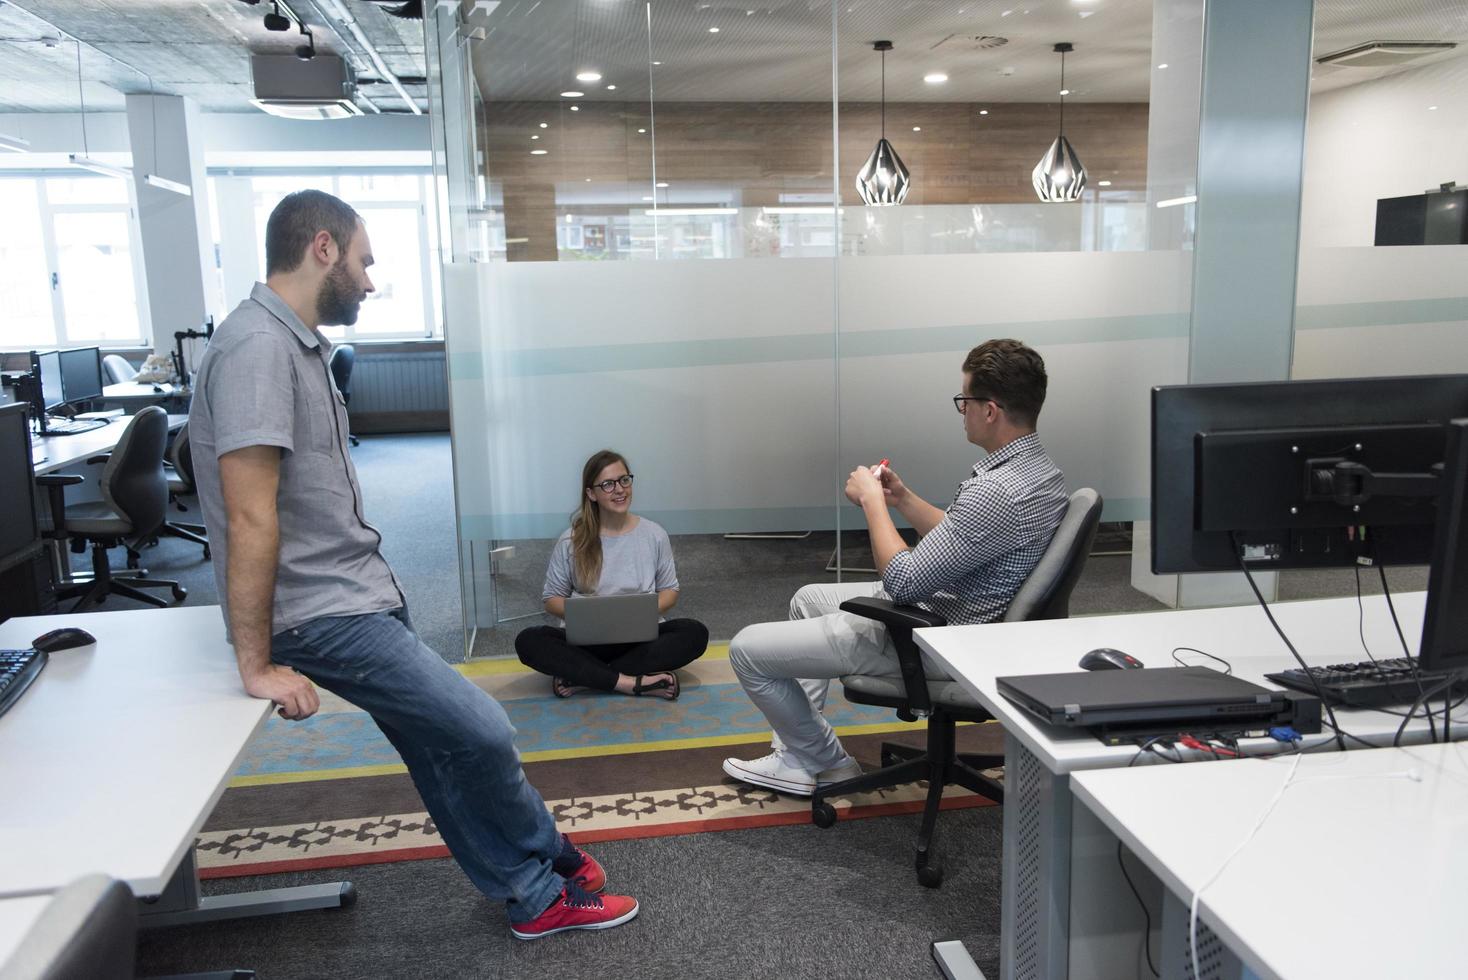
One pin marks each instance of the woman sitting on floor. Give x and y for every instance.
(608, 550)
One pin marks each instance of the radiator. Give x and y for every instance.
(392, 383)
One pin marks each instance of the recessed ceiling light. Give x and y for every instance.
(983, 112)
(662, 183)
(935, 78)
(1163, 65)
(588, 76)
(538, 153)
(588, 180)
(544, 125)
(657, 62)
(575, 108)
(572, 95)
(647, 199)
(713, 30)
(1104, 183)
(536, 136)
(642, 130)
(1431, 108)
(1065, 91)
(568, 219)
(917, 129)
(611, 88)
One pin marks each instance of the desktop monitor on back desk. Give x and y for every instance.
(20, 536)
(81, 373)
(46, 372)
(1311, 474)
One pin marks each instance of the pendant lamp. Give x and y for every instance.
(1059, 177)
(883, 179)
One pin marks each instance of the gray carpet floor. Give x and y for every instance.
(777, 902)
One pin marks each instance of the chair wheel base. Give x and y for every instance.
(930, 875)
(180, 593)
(823, 814)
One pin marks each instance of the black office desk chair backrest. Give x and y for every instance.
(133, 482)
(1046, 592)
(343, 359)
(117, 369)
(181, 456)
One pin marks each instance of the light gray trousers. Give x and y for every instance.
(786, 668)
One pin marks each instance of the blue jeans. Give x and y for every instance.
(456, 740)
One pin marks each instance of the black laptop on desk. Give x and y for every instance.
(1157, 699)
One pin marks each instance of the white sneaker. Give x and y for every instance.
(849, 769)
(774, 771)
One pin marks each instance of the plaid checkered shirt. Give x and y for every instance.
(970, 565)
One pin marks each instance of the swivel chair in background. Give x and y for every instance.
(343, 359)
(1045, 595)
(178, 467)
(132, 509)
(117, 369)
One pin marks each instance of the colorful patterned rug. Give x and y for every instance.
(331, 792)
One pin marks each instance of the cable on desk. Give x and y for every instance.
(1361, 618)
(1314, 681)
(1146, 915)
(1228, 668)
(1406, 652)
(1427, 696)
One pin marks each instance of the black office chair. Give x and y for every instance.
(343, 359)
(1045, 595)
(178, 467)
(132, 509)
(117, 369)
(89, 931)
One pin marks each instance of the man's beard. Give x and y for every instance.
(339, 300)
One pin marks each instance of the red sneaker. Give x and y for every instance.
(577, 908)
(576, 865)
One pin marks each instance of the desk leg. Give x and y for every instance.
(954, 962)
(1035, 892)
(1215, 960)
(181, 903)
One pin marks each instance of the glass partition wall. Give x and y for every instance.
(654, 241)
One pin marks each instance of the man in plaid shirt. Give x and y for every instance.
(971, 560)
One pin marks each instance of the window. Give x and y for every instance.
(67, 275)
(405, 302)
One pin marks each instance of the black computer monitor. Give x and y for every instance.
(81, 373)
(1445, 623)
(1299, 474)
(20, 535)
(46, 375)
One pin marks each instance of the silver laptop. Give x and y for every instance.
(597, 619)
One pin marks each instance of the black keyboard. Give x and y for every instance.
(17, 669)
(1371, 684)
(71, 427)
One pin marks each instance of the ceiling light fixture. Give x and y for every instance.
(572, 94)
(275, 20)
(164, 184)
(611, 88)
(588, 76)
(84, 159)
(307, 51)
(713, 30)
(535, 136)
(1103, 183)
(883, 180)
(1059, 177)
(917, 129)
(983, 112)
(575, 108)
(14, 143)
(935, 78)
(661, 183)
(538, 153)
(1163, 65)
(544, 125)
(664, 212)
(1173, 202)
(642, 130)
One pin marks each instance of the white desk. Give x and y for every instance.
(1315, 893)
(130, 393)
(64, 451)
(118, 752)
(1051, 859)
(17, 915)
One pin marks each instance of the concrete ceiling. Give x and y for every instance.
(196, 48)
(765, 50)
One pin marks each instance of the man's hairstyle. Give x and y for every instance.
(1011, 374)
(295, 222)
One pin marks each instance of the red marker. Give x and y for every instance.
(877, 470)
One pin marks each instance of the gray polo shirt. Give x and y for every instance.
(265, 381)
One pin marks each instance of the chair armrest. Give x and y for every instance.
(891, 615)
(900, 622)
(55, 484)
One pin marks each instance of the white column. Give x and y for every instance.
(178, 250)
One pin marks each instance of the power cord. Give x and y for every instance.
(1314, 681)
(1406, 651)
(1228, 668)
(1146, 915)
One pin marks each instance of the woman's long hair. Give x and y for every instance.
(586, 525)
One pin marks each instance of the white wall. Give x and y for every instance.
(1379, 139)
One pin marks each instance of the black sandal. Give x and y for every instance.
(639, 688)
